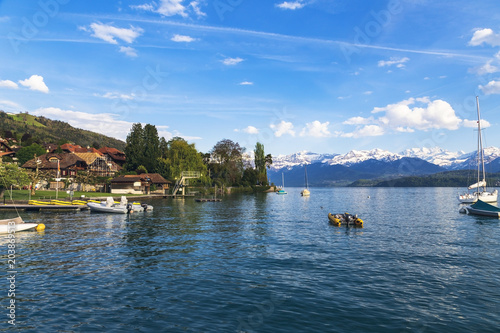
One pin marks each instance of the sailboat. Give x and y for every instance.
(282, 190)
(482, 195)
(305, 192)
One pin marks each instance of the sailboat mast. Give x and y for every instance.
(480, 144)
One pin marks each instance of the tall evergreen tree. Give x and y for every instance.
(151, 148)
(260, 163)
(135, 147)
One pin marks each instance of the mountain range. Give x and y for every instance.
(343, 169)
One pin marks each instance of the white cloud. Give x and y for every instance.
(8, 84)
(251, 130)
(358, 121)
(109, 33)
(129, 51)
(10, 106)
(196, 8)
(316, 129)
(406, 116)
(172, 8)
(284, 127)
(399, 62)
(486, 36)
(110, 95)
(291, 5)
(182, 38)
(105, 123)
(246, 83)
(232, 61)
(473, 123)
(493, 87)
(425, 115)
(35, 82)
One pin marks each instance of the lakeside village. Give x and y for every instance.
(149, 166)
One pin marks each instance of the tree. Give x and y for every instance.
(180, 156)
(228, 157)
(135, 147)
(26, 153)
(151, 148)
(260, 163)
(11, 174)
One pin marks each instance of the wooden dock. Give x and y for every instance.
(37, 208)
(208, 200)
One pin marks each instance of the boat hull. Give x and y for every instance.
(469, 198)
(15, 225)
(102, 208)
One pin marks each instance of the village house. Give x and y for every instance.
(114, 155)
(5, 149)
(66, 164)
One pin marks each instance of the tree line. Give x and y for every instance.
(223, 165)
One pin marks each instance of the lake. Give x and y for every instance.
(262, 263)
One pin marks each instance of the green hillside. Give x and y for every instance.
(44, 130)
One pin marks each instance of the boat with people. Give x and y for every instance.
(481, 208)
(345, 219)
(17, 224)
(122, 207)
(480, 192)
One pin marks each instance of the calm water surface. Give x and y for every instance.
(262, 263)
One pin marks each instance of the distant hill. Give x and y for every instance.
(46, 130)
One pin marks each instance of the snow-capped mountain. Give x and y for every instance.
(440, 157)
(358, 156)
(298, 159)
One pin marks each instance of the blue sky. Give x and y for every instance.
(323, 76)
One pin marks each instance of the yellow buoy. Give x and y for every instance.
(40, 227)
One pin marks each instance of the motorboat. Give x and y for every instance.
(345, 219)
(122, 207)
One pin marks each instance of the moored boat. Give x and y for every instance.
(17, 224)
(345, 219)
(122, 207)
(481, 208)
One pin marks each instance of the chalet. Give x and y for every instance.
(113, 154)
(139, 184)
(98, 165)
(67, 164)
(5, 149)
(161, 184)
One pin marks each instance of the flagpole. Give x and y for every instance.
(57, 178)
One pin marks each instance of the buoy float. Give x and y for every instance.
(40, 227)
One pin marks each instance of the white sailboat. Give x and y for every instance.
(480, 186)
(282, 190)
(305, 192)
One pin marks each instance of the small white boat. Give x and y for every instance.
(14, 225)
(305, 192)
(109, 206)
(282, 189)
(123, 207)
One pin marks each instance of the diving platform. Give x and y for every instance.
(181, 183)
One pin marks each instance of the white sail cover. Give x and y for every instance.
(476, 185)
